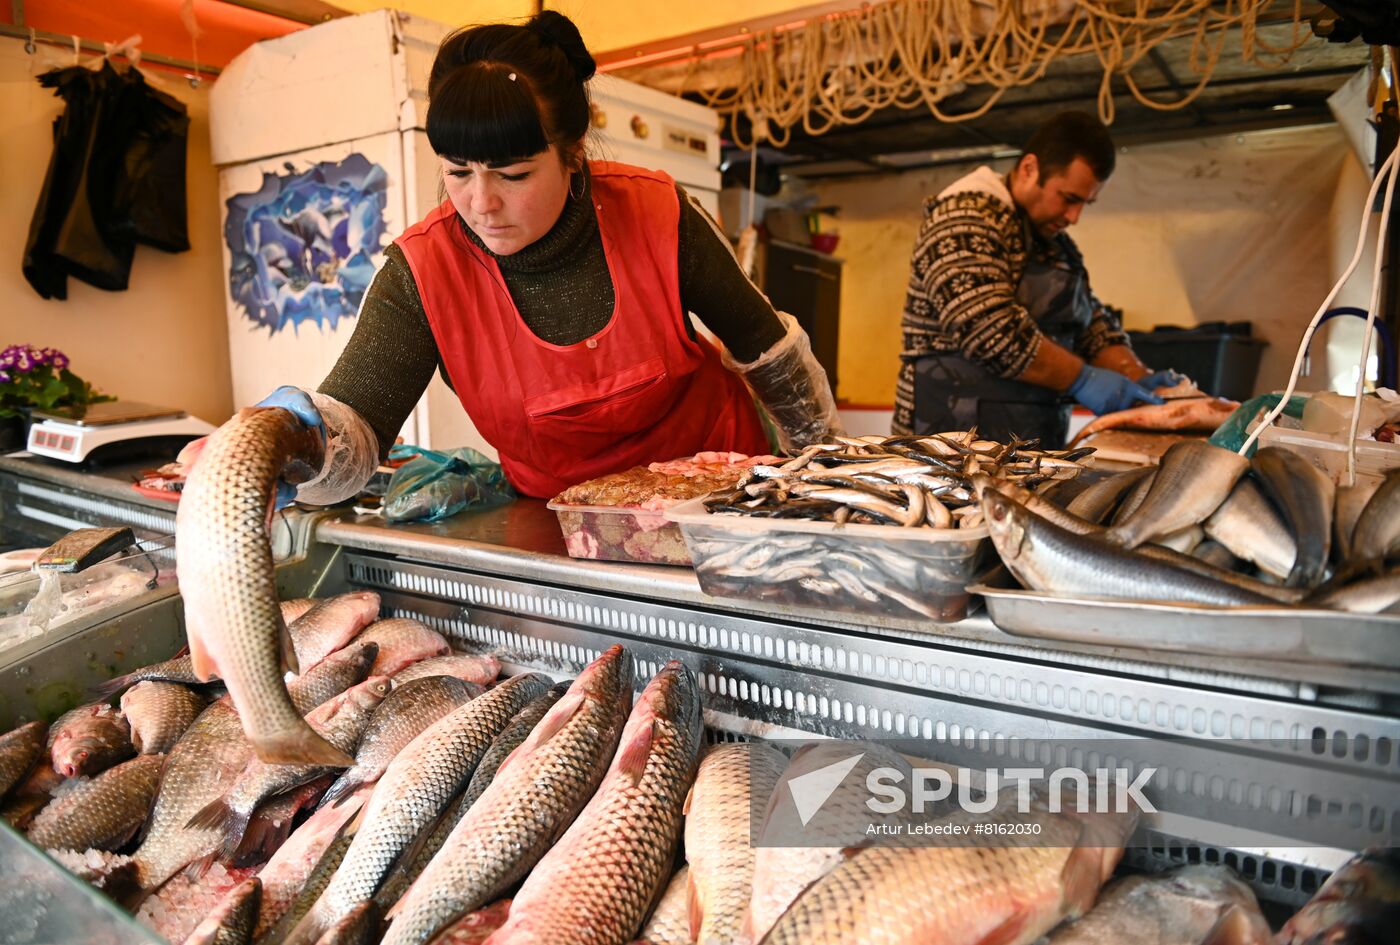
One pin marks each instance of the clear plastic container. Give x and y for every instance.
(884, 570)
(617, 533)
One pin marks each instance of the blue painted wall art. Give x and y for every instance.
(303, 246)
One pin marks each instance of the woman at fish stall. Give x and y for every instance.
(552, 292)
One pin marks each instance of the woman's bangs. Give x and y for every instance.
(480, 114)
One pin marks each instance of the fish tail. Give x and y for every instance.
(262, 835)
(299, 746)
(343, 785)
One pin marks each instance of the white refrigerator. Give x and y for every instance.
(323, 160)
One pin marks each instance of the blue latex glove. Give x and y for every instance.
(1164, 378)
(1104, 391)
(295, 400)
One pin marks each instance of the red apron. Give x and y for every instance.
(638, 391)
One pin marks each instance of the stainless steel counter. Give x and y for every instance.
(522, 540)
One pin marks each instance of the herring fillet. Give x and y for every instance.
(518, 729)
(1377, 531)
(413, 791)
(531, 800)
(1099, 499)
(597, 884)
(233, 619)
(731, 781)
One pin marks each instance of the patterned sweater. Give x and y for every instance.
(968, 259)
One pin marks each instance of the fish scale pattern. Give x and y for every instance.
(717, 841)
(399, 719)
(888, 894)
(200, 767)
(528, 804)
(509, 739)
(159, 713)
(102, 813)
(597, 883)
(415, 789)
(227, 574)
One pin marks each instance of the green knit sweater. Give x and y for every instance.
(561, 285)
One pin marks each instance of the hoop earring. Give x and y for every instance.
(583, 188)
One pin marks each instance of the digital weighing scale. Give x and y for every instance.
(125, 427)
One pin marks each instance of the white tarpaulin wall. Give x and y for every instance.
(1240, 227)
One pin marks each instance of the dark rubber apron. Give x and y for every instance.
(952, 393)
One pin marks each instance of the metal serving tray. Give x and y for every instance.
(1276, 633)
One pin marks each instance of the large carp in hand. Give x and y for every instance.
(232, 616)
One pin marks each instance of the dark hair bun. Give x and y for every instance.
(557, 29)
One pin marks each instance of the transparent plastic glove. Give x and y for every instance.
(1163, 378)
(298, 403)
(1104, 391)
(352, 454)
(793, 388)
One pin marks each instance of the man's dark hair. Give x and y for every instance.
(1071, 135)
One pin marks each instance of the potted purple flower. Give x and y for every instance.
(36, 379)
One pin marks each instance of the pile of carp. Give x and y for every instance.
(520, 810)
(1208, 527)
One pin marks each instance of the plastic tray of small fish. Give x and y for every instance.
(865, 569)
(1278, 633)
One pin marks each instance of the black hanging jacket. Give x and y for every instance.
(116, 178)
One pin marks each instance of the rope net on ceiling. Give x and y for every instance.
(840, 69)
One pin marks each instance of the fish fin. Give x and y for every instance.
(689, 797)
(290, 663)
(104, 691)
(695, 909)
(337, 792)
(1008, 931)
(262, 835)
(230, 823)
(1081, 877)
(300, 746)
(554, 720)
(196, 869)
(201, 660)
(632, 761)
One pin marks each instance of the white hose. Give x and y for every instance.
(1370, 321)
(1273, 414)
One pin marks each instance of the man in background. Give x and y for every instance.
(1001, 330)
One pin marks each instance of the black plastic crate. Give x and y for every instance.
(1223, 359)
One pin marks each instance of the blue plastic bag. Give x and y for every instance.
(1234, 431)
(434, 485)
